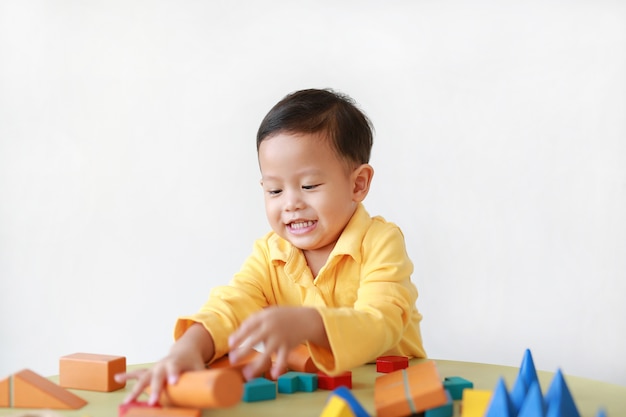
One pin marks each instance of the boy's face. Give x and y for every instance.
(309, 191)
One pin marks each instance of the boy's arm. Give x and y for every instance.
(384, 312)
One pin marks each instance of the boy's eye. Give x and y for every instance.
(310, 187)
(274, 192)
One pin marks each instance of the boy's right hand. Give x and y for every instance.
(166, 371)
(190, 353)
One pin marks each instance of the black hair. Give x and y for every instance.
(349, 130)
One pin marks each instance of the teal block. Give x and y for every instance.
(291, 382)
(307, 382)
(455, 385)
(259, 389)
(446, 410)
(288, 383)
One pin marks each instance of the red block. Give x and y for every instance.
(386, 364)
(331, 382)
(123, 408)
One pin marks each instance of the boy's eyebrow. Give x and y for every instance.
(311, 171)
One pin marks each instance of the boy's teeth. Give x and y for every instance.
(300, 225)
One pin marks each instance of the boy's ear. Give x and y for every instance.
(362, 178)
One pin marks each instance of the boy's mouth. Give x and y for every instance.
(300, 224)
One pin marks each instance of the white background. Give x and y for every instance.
(129, 182)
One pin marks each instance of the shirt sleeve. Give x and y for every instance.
(228, 306)
(384, 309)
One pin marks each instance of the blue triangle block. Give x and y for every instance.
(560, 399)
(354, 404)
(533, 405)
(501, 404)
(527, 371)
(518, 393)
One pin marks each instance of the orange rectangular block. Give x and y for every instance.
(91, 372)
(409, 391)
(162, 412)
(5, 392)
(31, 390)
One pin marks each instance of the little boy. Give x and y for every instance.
(327, 275)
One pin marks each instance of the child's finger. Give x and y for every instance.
(280, 362)
(140, 385)
(257, 367)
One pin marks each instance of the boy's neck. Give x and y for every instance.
(317, 259)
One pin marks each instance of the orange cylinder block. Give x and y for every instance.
(299, 360)
(210, 388)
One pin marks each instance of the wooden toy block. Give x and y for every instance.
(208, 388)
(560, 398)
(455, 385)
(299, 360)
(31, 390)
(519, 392)
(533, 405)
(409, 391)
(123, 408)
(527, 371)
(288, 383)
(446, 410)
(332, 382)
(307, 382)
(92, 372)
(291, 382)
(355, 406)
(5, 392)
(386, 364)
(337, 407)
(163, 412)
(259, 389)
(500, 404)
(475, 402)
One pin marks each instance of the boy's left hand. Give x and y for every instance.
(280, 329)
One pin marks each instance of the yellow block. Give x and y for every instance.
(337, 407)
(475, 402)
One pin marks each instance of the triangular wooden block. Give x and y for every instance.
(5, 391)
(533, 405)
(527, 370)
(518, 393)
(501, 404)
(31, 390)
(560, 398)
(337, 407)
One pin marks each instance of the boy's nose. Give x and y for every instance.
(294, 201)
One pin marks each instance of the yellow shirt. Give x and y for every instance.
(363, 293)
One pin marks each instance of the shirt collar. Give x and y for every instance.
(349, 242)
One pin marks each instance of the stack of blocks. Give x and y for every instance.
(83, 371)
(409, 391)
(525, 399)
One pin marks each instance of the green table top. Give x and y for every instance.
(589, 395)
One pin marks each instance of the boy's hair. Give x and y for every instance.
(322, 111)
